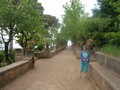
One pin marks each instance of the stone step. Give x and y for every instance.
(104, 78)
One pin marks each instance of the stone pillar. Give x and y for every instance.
(47, 53)
(30, 53)
(18, 54)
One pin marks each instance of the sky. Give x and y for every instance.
(55, 7)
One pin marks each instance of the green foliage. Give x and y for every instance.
(52, 25)
(111, 50)
(113, 38)
(103, 27)
(32, 23)
(12, 55)
(3, 64)
(97, 27)
(109, 9)
(42, 42)
(116, 5)
(60, 39)
(40, 45)
(109, 13)
(96, 12)
(98, 24)
(51, 21)
(79, 27)
(19, 18)
(99, 39)
(73, 21)
(2, 57)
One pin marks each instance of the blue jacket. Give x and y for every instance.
(82, 59)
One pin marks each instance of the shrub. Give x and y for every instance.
(40, 45)
(1, 56)
(11, 57)
(113, 38)
(99, 39)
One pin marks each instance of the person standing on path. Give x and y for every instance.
(85, 60)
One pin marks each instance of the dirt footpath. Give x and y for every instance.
(61, 72)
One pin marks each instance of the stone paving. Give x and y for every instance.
(60, 72)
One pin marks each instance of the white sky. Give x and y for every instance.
(55, 7)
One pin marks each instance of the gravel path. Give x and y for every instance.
(61, 72)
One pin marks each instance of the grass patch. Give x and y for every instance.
(111, 50)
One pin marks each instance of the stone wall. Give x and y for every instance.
(99, 78)
(47, 53)
(108, 61)
(11, 72)
(18, 55)
(105, 72)
(60, 48)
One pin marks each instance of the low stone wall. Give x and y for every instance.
(60, 48)
(52, 53)
(101, 79)
(105, 72)
(18, 55)
(47, 53)
(39, 54)
(30, 53)
(108, 61)
(11, 72)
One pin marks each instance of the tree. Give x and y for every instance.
(52, 26)
(108, 21)
(107, 10)
(8, 17)
(16, 16)
(73, 20)
(51, 21)
(96, 12)
(33, 26)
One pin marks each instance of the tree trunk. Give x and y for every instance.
(11, 44)
(24, 47)
(24, 50)
(7, 54)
